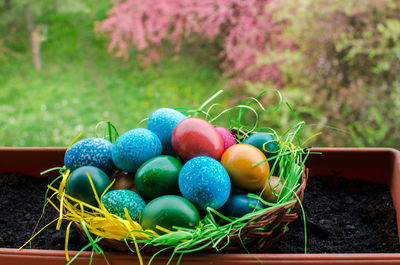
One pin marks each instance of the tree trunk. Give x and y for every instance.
(13, 22)
(55, 5)
(35, 39)
(8, 4)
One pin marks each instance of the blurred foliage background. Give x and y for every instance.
(336, 63)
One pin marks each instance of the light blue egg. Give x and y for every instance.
(116, 200)
(162, 122)
(90, 152)
(135, 147)
(205, 182)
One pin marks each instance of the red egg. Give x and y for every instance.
(196, 137)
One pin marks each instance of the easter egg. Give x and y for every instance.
(135, 147)
(196, 137)
(116, 200)
(239, 205)
(124, 181)
(158, 176)
(162, 122)
(79, 187)
(272, 186)
(168, 211)
(90, 152)
(239, 160)
(205, 182)
(266, 143)
(226, 136)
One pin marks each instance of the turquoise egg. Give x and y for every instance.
(79, 187)
(205, 182)
(90, 152)
(162, 122)
(239, 205)
(135, 147)
(116, 200)
(265, 140)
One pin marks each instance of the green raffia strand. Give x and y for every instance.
(109, 131)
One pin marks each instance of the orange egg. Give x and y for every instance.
(273, 184)
(239, 159)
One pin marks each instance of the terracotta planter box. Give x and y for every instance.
(372, 164)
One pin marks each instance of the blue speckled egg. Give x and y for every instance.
(239, 205)
(162, 122)
(90, 152)
(135, 147)
(116, 200)
(204, 182)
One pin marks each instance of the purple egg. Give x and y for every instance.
(227, 137)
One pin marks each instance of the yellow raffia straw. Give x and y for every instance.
(98, 221)
(43, 228)
(309, 138)
(133, 237)
(73, 141)
(66, 241)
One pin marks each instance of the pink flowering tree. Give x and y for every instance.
(244, 28)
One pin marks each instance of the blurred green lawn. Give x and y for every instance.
(81, 84)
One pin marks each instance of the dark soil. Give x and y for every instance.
(342, 217)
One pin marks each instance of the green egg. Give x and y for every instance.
(79, 187)
(116, 200)
(158, 176)
(168, 211)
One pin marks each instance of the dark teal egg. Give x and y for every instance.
(168, 211)
(116, 200)
(239, 205)
(266, 143)
(79, 187)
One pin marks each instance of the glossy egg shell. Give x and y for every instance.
(78, 184)
(158, 176)
(135, 147)
(272, 186)
(116, 200)
(168, 211)
(90, 152)
(239, 160)
(162, 122)
(205, 182)
(263, 140)
(196, 137)
(124, 181)
(239, 205)
(226, 136)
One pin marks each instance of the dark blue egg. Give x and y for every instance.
(205, 182)
(116, 200)
(162, 122)
(271, 147)
(90, 152)
(135, 147)
(239, 205)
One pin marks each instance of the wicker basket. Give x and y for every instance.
(256, 241)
